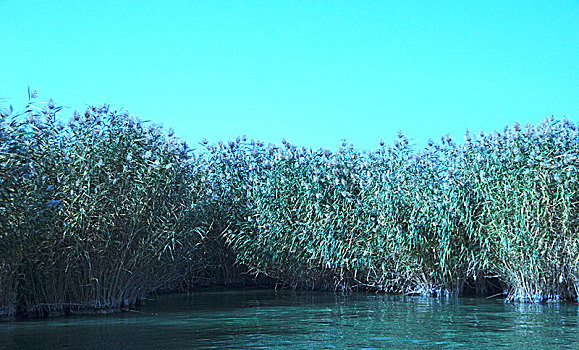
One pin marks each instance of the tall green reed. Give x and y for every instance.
(106, 209)
(528, 180)
(98, 213)
(432, 221)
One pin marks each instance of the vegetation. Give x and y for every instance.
(95, 214)
(102, 211)
(429, 222)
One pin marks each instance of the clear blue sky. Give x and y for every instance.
(313, 72)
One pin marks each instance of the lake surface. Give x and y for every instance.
(282, 319)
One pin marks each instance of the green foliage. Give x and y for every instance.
(100, 212)
(407, 221)
(529, 183)
(94, 214)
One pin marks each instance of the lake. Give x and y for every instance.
(287, 319)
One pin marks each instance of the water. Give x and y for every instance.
(269, 319)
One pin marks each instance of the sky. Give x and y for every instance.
(312, 72)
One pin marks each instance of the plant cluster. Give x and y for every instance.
(434, 221)
(96, 213)
(103, 210)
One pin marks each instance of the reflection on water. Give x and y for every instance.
(269, 319)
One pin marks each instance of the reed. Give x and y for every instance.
(96, 213)
(103, 210)
(349, 219)
(430, 222)
(528, 181)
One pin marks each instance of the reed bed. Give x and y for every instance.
(95, 214)
(103, 210)
(388, 220)
(500, 207)
(528, 181)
